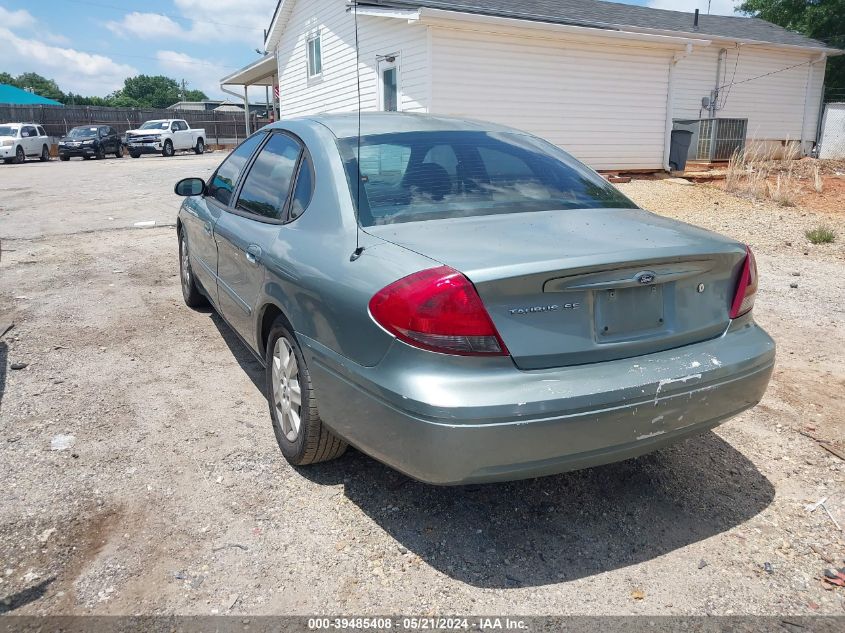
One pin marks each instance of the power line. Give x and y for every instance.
(774, 72)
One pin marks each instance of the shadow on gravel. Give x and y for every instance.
(23, 598)
(560, 528)
(246, 359)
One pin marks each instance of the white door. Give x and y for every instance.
(389, 94)
(29, 140)
(181, 137)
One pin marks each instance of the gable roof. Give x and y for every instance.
(17, 96)
(612, 15)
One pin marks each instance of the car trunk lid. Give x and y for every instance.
(581, 286)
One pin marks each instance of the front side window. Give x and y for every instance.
(28, 131)
(415, 176)
(223, 182)
(267, 185)
(315, 56)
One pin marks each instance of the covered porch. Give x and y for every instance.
(263, 72)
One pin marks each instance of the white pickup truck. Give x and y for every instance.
(165, 137)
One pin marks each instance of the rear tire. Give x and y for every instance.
(64, 158)
(134, 154)
(119, 152)
(190, 291)
(200, 148)
(300, 432)
(45, 154)
(167, 149)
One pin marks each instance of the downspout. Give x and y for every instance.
(246, 104)
(714, 95)
(807, 91)
(670, 105)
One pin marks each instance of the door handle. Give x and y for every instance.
(253, 253)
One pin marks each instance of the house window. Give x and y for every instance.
(388, 75)
(315, 56)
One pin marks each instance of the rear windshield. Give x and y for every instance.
(413, 176)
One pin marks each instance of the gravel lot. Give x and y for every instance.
(174, 498)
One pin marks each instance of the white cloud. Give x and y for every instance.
(73, 70)
(201, 74)
(717, 7)
(16, 19)
(204, 21)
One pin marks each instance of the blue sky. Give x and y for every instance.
(90, 46)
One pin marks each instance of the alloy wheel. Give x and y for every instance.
(287, 391)
(185, 266)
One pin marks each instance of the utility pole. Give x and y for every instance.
(184, 90)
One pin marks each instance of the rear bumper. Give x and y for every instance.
(448, 420)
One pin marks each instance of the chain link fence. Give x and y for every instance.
(221, 128)
(832, 144)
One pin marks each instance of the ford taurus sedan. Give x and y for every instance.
(466, 302)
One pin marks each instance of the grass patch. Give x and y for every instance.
(821, 235)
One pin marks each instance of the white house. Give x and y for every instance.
(605, 81)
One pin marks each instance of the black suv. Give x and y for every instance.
(91, 141)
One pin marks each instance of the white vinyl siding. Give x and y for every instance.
(603, 103)
(774, 104)
(336, 89)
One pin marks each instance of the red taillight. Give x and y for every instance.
(437, 309)
(746, 288)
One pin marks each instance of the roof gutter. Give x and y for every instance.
(441, 17)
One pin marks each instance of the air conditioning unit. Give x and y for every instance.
(714, 139)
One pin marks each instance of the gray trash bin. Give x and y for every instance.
(679, 149)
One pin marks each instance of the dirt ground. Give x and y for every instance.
(172, 496)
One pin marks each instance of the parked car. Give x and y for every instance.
(91, 141)
(165, 136)
(19, 141)
(476, 306)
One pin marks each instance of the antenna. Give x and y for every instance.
(358, 248)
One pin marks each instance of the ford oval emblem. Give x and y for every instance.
(646, 277)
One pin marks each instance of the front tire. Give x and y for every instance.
(134, 154)
(101, 152)
(190, 292)
(20, 157)
(200, 148)
(167, 150)
(119, 152)
(45, 154)
(300, 433)
(64, 158)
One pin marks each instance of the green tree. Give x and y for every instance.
(822, 20)
(148, 91)
(39, 85)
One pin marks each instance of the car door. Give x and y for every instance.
(247, 232)
(179, 135)
(202, 213)
(29, 140)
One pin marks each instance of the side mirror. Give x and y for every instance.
(190, 187)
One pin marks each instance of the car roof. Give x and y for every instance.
(346, 125)
(35, 124)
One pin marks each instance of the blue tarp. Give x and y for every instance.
(17, 96)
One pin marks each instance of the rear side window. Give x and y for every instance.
(267, 185)
(303, 189)
(223, 182)
(41, 131)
